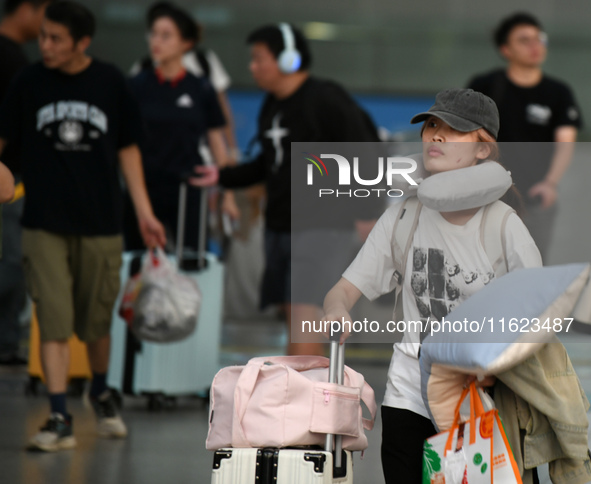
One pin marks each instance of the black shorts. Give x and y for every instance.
(403, 435)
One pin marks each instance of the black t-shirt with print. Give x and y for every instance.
(529, 114)
(319, 111)
(69, 129)
(176, 115)
(12, 60)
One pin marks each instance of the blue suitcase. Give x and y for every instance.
(164, 371)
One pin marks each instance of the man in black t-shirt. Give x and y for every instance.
(75, 124)
(535, 110)
(297, 108)
(20, 24)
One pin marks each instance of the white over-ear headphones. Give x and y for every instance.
(289, 59)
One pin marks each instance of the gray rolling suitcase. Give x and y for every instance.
(164, 371)
(292, 465)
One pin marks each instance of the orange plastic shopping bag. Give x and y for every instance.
(473, 452)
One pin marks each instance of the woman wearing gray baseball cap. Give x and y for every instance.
(465, 111)
(445, 265)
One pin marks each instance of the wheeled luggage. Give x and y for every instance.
(301, 465)
(281, 466)
(164, 371)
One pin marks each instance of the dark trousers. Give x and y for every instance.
(403, 435)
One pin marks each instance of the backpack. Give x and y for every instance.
(492, 237)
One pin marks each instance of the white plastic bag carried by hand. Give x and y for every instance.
(167, 304)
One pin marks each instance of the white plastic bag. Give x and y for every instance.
(167, 303)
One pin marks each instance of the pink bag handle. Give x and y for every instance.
(368, 397)
(242, 393)
(249, 375)
(247, 382)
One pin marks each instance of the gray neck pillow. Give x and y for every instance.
(465, 188)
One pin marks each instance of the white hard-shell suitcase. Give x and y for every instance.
(281, 466)
(163, 371)
(292, 465)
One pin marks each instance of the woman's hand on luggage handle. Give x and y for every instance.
(338, 316)
(207, 176)
(337, 304)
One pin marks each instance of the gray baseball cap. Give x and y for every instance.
(464, 110)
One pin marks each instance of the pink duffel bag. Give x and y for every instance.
(284, 401)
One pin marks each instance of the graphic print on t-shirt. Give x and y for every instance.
(185, 101)
(538, 114)
(74, 119)
(438, 282)
(276, 134)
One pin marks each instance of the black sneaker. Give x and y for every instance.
(109, 422)
(55, 435)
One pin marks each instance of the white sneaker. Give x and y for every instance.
(109, 422)
(55, 435)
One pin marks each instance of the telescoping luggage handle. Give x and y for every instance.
(336, 374)
(182, 220)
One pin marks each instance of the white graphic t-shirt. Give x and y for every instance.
(445, 266)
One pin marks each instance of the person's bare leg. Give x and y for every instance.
(98, 354)
(55, 359)
(57, 433)
(299, 313)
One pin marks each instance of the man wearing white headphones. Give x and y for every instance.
(298, 108)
